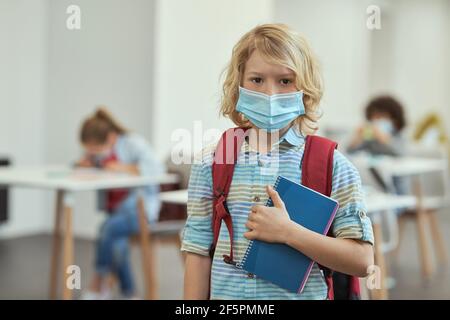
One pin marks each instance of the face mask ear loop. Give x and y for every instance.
(302, 103)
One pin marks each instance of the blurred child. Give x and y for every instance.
(382, 134)
(110, 146)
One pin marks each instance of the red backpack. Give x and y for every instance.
(317, 170)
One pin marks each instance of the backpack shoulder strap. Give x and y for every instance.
(225, 158)
(317, 164)
(317, 174)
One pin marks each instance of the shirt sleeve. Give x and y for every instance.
(144, 157)
(351, 220)
(197, 233)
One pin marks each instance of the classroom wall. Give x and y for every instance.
(23, 100)
(193, 44)
(407, 57)
(337, 32)
(109, 61)
(411, 56)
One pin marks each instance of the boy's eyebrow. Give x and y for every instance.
(290, 74)
(255, 73)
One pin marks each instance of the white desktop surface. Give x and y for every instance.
(375, 201)
(400, 166)
(69, 179)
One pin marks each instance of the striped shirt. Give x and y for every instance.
(252, 173)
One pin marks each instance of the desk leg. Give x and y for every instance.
(365, 295)
(427, 266)
(179, 243)
(421, 223)
(56, 247)
(438, 239)
(382, 293)
(68, 253)
(148, 254)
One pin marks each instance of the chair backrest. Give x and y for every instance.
(183, 170)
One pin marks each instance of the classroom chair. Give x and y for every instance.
(167, 230)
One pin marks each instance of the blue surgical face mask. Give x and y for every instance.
(384, 125)
(270, 113)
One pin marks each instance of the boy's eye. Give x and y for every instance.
(256, 80)
(285, 81)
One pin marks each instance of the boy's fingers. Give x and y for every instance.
(257, 208)
(277, 202)
(250, 225)
(250, 235)
(252, 216)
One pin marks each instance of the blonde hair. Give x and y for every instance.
(278, 44)
(96, 128)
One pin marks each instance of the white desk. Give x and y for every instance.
(425, 210)
(375, 201)
(400, 166)
(68, 179)
(65, 181)
(175, 197)
(379, 203)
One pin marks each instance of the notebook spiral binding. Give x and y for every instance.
(269, 203)
(250, 244)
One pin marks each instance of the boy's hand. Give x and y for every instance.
(269, 224)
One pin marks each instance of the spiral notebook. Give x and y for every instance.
(279, 263)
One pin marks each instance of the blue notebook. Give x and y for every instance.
(279, 263)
